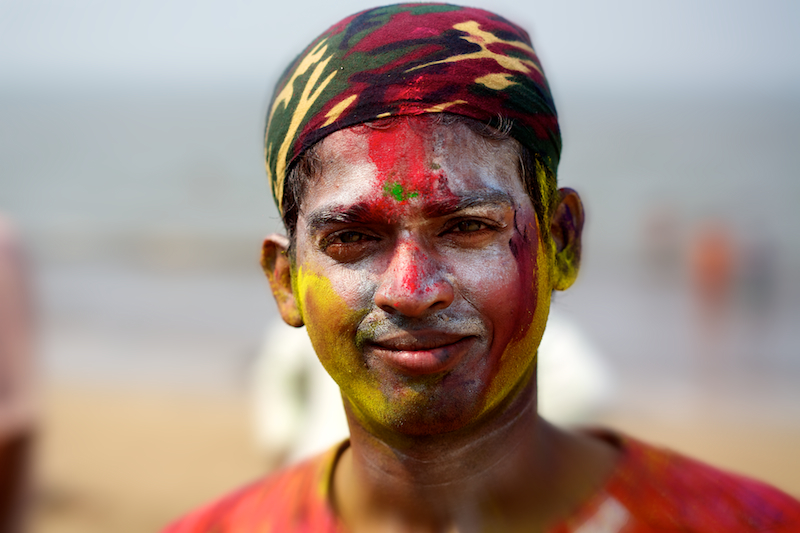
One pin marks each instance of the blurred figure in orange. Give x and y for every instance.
(16, 382)
(712, 271)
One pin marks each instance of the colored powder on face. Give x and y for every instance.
(403, 157)
(306, 284)
(405, 170)
(404, 160)
(332, 325)
(518, 359)
(412, 262)
(548, 190)
(333, 321)
(396, 191)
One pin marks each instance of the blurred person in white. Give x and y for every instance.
(17, 396)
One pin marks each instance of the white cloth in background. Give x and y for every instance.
(574, 384)
(297, 407)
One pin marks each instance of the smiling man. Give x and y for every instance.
(412, 151)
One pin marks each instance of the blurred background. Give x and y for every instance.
(131, 166)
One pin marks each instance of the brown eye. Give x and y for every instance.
(469, 226)
(350, 237)
(349, 246)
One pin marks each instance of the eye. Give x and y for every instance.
(468, 226)
(349, 237)
(348, 245)
(471, 232)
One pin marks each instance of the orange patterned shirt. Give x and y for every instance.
(651, 490)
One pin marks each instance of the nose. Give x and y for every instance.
(413, 283)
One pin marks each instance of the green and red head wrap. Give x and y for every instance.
(409, 59)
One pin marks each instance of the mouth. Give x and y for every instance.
(422, 353)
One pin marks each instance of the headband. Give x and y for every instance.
(409, 59)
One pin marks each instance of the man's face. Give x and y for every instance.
(420, 274)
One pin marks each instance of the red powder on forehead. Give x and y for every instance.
(403, 157)
(406, 172)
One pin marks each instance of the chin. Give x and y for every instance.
(418, 410)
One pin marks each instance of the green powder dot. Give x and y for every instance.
(396, 191)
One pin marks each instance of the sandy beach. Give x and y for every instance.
(132, 460)
(129, 460)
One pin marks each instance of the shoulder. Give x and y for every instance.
(670, 491)
(291, 500)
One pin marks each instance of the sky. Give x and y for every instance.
(680, 45)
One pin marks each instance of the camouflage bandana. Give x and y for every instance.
(409, 59)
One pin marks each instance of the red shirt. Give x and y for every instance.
(651, 490)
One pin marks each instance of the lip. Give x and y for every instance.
(417, 355)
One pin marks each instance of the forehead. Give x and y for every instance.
(410, 160)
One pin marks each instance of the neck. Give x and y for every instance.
(517, 469)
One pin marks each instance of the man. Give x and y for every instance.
(412, 151)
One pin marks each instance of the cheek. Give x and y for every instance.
(521, 309)
(503, 284)
(492, 284)
(527, 251)
(332, 321)
(331, 316)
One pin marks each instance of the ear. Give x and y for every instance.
(278, 268)
(565, 228)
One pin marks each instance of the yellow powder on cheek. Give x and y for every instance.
(327, 316)
(332, 324)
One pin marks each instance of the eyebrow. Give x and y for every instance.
(488, 198)
(365, 213)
